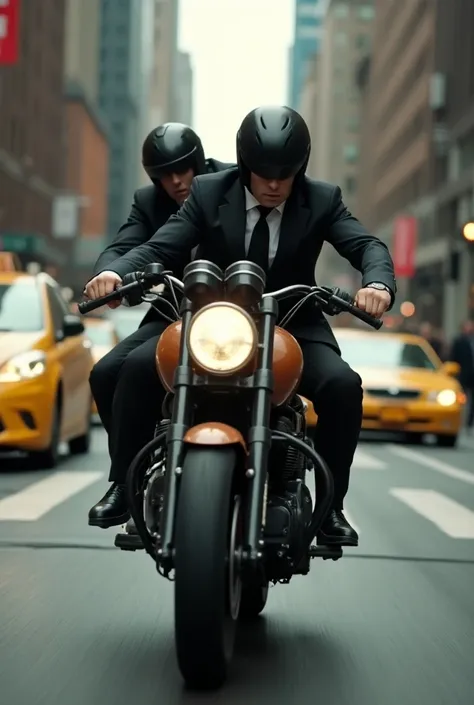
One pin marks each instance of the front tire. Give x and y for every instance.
(254, 599)
(447, 441)
(206, 604)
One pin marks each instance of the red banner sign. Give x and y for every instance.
(404, 246)
(9, 31)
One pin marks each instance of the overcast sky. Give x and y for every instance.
(239, 54)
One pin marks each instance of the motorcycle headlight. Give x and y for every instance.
(24, 366)
(446, 397)
(222, 338)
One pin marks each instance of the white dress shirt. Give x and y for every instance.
(273, 220)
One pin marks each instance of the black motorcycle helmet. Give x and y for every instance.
(274, 143)
(172, 147)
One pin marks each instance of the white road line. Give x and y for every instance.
(366, 461)
(36, 500)
(433, 463)
(451, 518)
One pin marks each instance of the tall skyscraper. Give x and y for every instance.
(122, 93)
(184, 92)
(309, 19)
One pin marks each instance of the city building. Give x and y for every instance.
(81, 213)
(309, 19)
(32, 165)
(165, 47)
(334, 112)
(419, 107)
(184, 94)
(123, 97)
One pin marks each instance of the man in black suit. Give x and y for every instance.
(268, 211)
(172, 155)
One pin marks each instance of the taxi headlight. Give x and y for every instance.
(222, 338)
(24, 366)
(446, 397)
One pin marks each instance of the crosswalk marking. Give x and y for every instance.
(433, 463)
(39, 498)
(452, 518)
(366, 461)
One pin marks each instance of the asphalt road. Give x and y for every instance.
(392, 623)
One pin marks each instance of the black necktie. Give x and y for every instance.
(260, 240)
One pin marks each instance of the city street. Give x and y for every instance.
(390, 624)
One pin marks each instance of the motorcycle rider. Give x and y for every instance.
(268, 211)
(172, 155)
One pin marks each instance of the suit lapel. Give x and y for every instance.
(293, 229)
(232, 216)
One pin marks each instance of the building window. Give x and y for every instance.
(366, 12)
(353, 123)
(309, 10)
(350, 185)
(341, 10)
(308, 31)
(351, 153)
(341, 39)
(363, 41)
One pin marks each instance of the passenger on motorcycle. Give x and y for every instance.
(268, 211)
(172, 155)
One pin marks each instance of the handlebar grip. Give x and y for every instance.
(376, 323)
(350, 306)
(88, 306)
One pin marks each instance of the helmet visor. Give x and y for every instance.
(177, 166)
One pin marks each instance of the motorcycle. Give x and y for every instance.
(219, 496)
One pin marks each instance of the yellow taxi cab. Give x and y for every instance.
(103, 336)
(45, 362)
(406, 386)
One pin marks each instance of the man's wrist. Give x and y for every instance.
(380, 286)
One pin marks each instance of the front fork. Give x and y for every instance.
(259, 439)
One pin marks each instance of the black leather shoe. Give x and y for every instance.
(336, 531)
(111, 510)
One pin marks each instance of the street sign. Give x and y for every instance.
(9, 31)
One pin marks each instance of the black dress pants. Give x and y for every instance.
(336, 392)
(128, 394)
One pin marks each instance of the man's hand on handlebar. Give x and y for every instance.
(103, 284)
(373, 301)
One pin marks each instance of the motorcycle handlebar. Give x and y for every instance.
(335, 300)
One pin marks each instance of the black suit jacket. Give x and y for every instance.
(214, 217)
(151, 208)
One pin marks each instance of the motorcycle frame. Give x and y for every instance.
(258, 441)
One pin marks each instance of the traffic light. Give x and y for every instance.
(468, 232)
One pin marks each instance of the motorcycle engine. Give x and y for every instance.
(289, 505)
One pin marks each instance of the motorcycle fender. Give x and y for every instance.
(214, 434)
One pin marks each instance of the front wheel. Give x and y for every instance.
(447, 441)
(254, 599)
(207, 580)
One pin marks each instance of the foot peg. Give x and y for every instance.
(128, 542)
(326, 552)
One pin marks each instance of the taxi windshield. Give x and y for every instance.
(100, 335)
(20, 308)
(384, 353)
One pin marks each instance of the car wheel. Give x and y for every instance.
(414, 439)
(48, 458)
(447, 441)
(81, 444)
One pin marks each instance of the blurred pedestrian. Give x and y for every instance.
(462, 352)
(433, 338)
